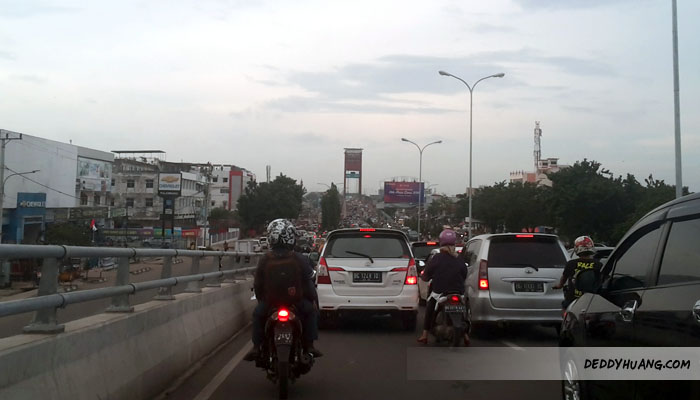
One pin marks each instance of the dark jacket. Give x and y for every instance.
(307, 278)
(447, 272)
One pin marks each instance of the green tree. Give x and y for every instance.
(261, 203)
(330, 209)
(68, 234)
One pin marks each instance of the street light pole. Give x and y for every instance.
(676, 104)
(420, 175)
(471, 98)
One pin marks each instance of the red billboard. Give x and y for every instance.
(403, 192)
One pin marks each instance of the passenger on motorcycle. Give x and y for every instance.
(273, 285)
(584, 249)
(448, 274)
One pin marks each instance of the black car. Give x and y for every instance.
(647, 295)
(421, 252)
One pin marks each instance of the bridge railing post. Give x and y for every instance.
(45, 320)
(166, 293)
(216, 282)
(120, 302)
(194, 286)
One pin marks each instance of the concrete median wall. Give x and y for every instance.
(124, 356)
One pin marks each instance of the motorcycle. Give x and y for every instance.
(452, 318)
(282, 354)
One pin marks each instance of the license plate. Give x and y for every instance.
(284, 337)
(529, 287)
(373, 277)
(450, 308)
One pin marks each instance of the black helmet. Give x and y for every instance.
(281, 233)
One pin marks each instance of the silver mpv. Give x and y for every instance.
(511, 276)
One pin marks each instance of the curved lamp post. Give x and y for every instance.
(420, 175)
(471, 95)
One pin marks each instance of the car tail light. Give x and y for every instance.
(368, 230)
(431, 244)
(454, 299)
(412, 273)
(283, 315)
(323, 275)
(483, 275)
(524, 236)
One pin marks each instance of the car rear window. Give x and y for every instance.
(373, 244)
(422, 251)
(518, 252)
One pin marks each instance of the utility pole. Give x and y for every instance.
(207, 201)
(676, 104)
(5, 138)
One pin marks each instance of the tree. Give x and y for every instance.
(330, 209)
(261, 203)
(68, 234)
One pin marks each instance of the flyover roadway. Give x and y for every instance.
(363, 359)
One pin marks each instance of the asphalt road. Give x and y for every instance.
(364, 359)
(13, 325)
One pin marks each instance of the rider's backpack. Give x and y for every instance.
(283, 279)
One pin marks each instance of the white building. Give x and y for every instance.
(228, 183)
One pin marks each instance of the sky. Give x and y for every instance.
(291, 83)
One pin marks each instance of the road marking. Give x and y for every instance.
(513, 345)
(209, 390)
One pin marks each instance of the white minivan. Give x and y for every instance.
(368, 270)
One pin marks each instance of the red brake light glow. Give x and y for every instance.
(483, 284)
(283, 315)
(323, 276)
(483, 275)
(431, 243)
(367, 230)
(454, 299)
(368, 236)
(524, 236)
(412, 273)
(411, 280)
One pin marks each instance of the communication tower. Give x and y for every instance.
(538, 148)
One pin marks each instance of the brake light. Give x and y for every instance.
(368, 236)
(367, 230)
(454, 299)
(283, 315)
(431, 244)
(524, 236)
(323, 276)
(412, 273)
(483, 275)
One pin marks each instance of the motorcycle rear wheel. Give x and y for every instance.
(283, 378)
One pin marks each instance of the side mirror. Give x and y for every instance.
(587, 281)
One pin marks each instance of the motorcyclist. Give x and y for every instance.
(448, 274)
(584, 249)
(281, 239)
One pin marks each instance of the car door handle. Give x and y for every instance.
(696, 311)
(627, 311)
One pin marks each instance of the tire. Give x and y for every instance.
(409, 320)
(572, 388)
(458, 337)
(283, 378)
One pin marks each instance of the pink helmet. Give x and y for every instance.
(448, 237)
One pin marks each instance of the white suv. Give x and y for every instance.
(368, 270)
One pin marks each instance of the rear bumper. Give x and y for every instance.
(407, 300)
(484, 311)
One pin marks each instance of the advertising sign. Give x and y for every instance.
(94, 175)
(353, 159)
(170, 184)
(403, 192)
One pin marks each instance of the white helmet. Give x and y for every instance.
(281, 233)
(584, 245)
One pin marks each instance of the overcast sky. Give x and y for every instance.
(291, 83)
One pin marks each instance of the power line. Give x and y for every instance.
(41, 184)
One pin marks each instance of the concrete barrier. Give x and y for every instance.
(124, 356)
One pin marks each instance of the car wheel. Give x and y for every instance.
(571, 387)
(409, 320)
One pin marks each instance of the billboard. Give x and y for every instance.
(94, 175)
(403, 192)
(170, 184)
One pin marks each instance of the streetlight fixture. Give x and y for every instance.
(420, 175)
(471, 96)
(2, 194)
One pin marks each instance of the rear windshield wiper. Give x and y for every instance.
(522, 265)
(360, 254)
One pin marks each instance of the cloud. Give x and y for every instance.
(321, 104)
(30, 8)
(489, 28)
(6, 55)
(567, 4)
(29, 78)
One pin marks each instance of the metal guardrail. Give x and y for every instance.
(48, 300)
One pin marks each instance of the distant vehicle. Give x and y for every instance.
(511, 276)
(370, 271)
(648, 294)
